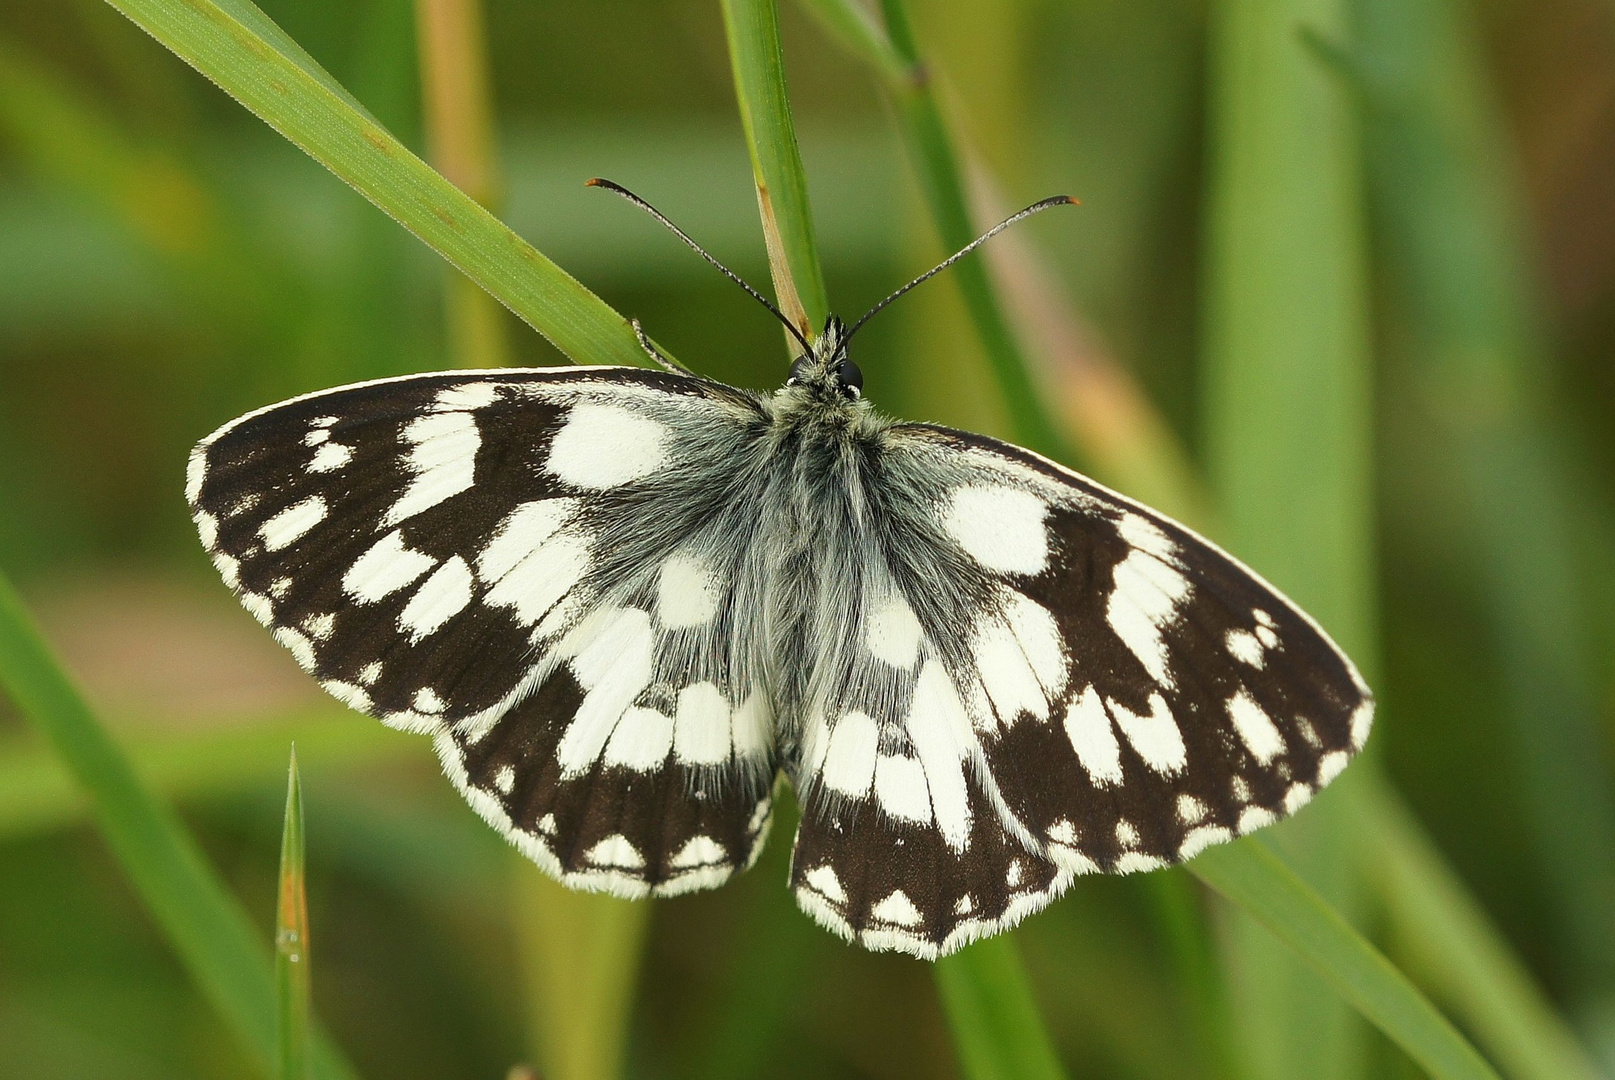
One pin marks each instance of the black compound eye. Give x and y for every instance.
(852, 380)
(798, 369)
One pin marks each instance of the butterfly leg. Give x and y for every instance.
(657, 355)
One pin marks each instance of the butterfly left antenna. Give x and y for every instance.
(601, 182)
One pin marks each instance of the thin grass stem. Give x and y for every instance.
(292, 980)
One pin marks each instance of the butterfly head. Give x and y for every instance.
(826, 372)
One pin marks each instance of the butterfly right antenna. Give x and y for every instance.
(601, 182)
(1037, 207)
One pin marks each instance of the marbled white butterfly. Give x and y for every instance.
(624, 601)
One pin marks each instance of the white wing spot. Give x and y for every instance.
(329, 458)
(686, 592)
(897, 909)
(1264, 618)
(1240, 789)
(641, 740)
(1040, 639)
(228, 569)
(1006, 674)
(940, 732)
(1126, 834)
(1361, 720)
(1143, 603)
(1254, 817)
(849, 764)
(319, 627)
(698, 851)
(1156, 737)
(280, 587)
(1191, 811)
(441, 597)
(893, 632)
(534, 587)
(614, 652)
(1063, 832)
(1267, 637)
(316, 437)
(354, 697)
(427, 701)
(1255, 727)
(1197, 840)
(258, 607)
(964, 905)
(292, 523)
(1244, 647)
(1329, 766)
(443, 457)
(546, 824)
(1134, 862)
(702, 730)
(1000, 527)
(1013, 876)
(1087, 725)
(207, 527)
(1141, 532)
(616, 850)
(605, 446)
(823, 880)
(504, 779)
(195, 473)
(900, 788)
(522, 533)
(384, 569)
(1297, 797)
(753, 733)
(302, 649)
(466, 396)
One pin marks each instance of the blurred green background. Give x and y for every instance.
(167, 262)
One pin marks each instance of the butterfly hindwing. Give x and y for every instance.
(1082, 685)
(528, 565)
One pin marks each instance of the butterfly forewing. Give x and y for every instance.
(525, 565)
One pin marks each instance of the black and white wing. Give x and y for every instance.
(1044, 679)
(537, 568)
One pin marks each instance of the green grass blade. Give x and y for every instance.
(992, 1016)
(206, 925)
(580, 954)
(291, 938)
(776, 161)
(1445, 936)
(240, 49)
(936, 164)
(457, 103)
(1249, 874)
(1288, 431)
(1457, 227)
